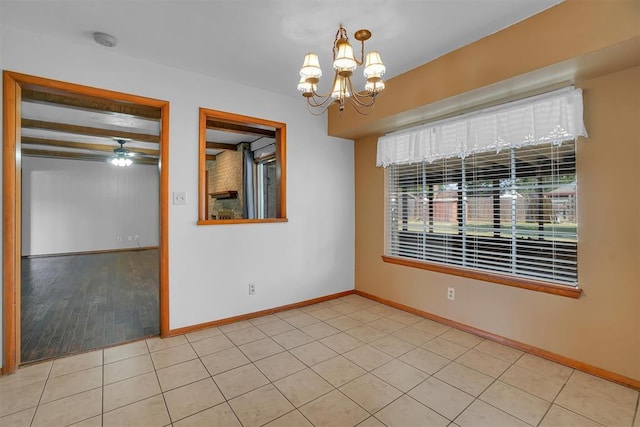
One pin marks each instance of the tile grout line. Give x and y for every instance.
(33, 417)
(102, 394)
(155, 371)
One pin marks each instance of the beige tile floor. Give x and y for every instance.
(344, 362)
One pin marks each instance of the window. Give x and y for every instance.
(512, 212)
(490, 194)
(266, 182)
(242, 169)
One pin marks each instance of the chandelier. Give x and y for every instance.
(344, 63)
(122, 155)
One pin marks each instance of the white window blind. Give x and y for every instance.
(510, 211)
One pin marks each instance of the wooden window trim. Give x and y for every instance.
(233, 120)
(517, 282)
(240, 221)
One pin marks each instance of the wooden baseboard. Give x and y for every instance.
(225, 321)
(102, 251)
(572, 363)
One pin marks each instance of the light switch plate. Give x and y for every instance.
(179, 198)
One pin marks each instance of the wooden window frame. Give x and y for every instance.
(240, 120)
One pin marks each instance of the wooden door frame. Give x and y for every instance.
(12, 96)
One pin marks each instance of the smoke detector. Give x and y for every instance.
(105, 39)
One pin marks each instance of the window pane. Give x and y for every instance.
(511, 212)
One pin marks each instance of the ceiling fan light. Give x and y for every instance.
(121, 157)
(345, 61)
(311, 67)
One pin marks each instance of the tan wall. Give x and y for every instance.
(602, 327)
(573, 38)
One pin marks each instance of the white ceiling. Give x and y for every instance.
(262, 43)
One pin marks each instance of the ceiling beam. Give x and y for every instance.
(26, 140)
(211, 157)
(233, 127)
(221, 146)
(81, 156)
(90, 131)
(85, 102)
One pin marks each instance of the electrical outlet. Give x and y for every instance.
(179, 198)
(119, 238)
(252, 289)
(129, 238)
(451, 294)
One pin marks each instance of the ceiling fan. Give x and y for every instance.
(122, 156)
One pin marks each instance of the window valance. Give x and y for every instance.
(549, 118)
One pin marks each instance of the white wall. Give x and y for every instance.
(81, 206)
(210, 267)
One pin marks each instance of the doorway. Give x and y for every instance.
(27, 140)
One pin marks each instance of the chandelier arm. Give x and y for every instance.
(310, 108)
(361, 55)
(359, 98)
(357, 103)
(321, 96)
(324, 97)
(317, 101)
(364, 112)
(364, 101)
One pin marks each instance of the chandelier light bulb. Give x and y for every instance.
(340, 89)
(345, 61)
(374, 85)
(306, 87)
(311, 67)
(373, 65)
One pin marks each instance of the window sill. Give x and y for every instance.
(240, 221)
(517, 282)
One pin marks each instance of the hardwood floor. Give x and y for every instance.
(75, 303)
